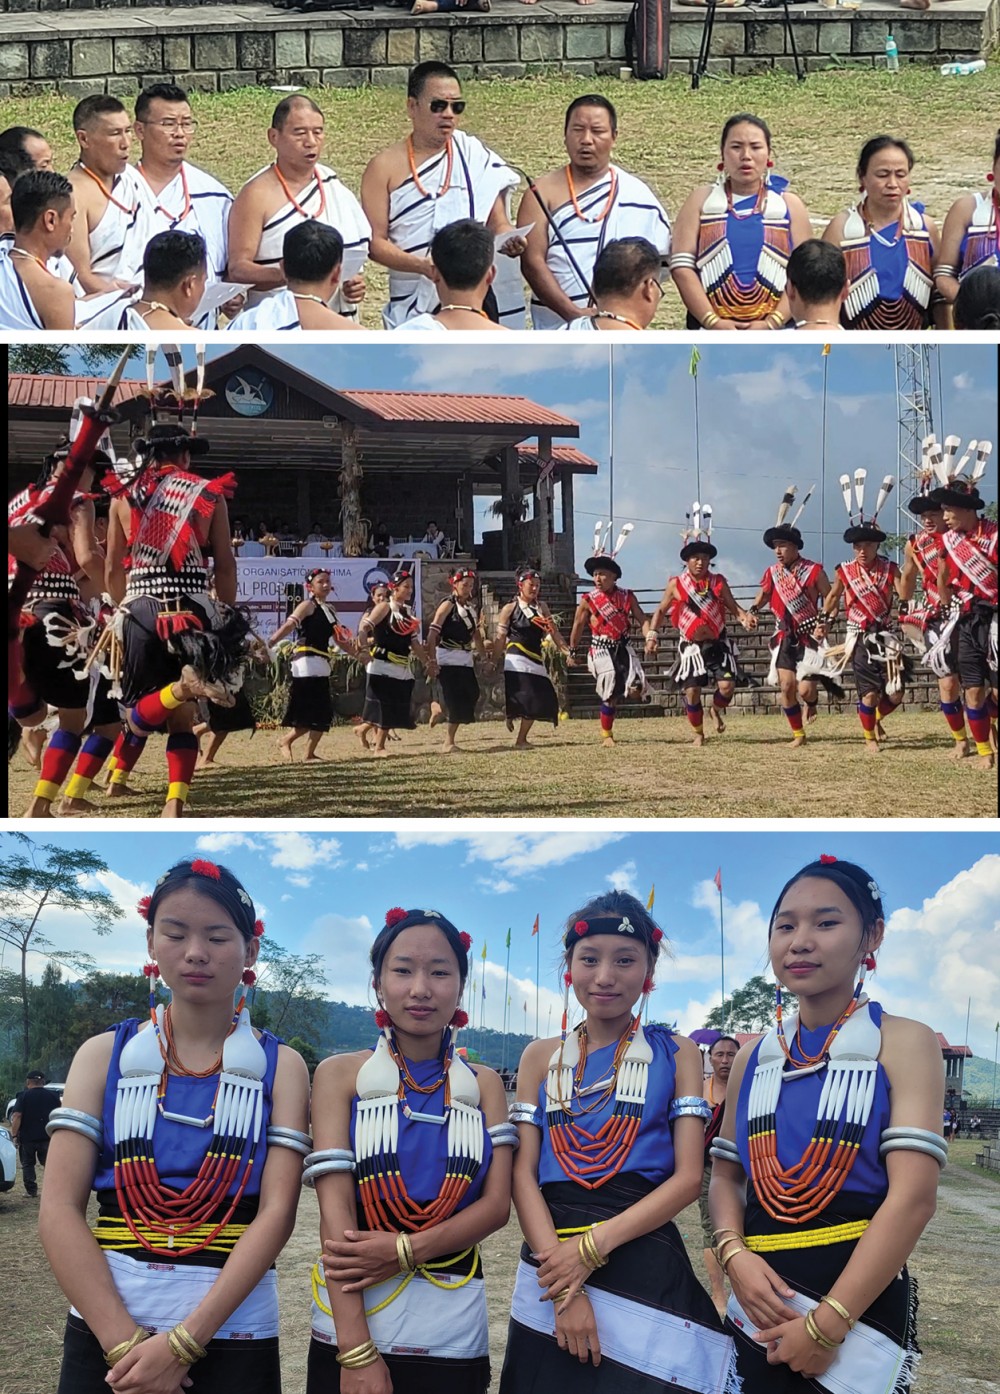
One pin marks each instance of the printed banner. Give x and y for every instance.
(262, 584)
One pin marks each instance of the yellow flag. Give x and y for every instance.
(652, 896)
(826, 350)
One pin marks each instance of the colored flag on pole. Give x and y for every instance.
(718, 880)
(826, 351)
(508, 939)
(483, 954)
(484, 989)
(695, 360)
(534, 929)
(652, 896)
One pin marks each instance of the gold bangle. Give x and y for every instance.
(734, 1232)
(840, 1309)
(590, 1255)
(725, 1253)
(183, 1345)
(560, 1297)
(112, 1356)
(359, 1357)
(710, 319)
(815, 1334)
(776, 320)
(404, 1253)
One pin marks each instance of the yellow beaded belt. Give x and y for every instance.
(807, 1238)
(111, 1232)
(425, 1270)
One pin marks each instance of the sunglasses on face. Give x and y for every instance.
(440, 104)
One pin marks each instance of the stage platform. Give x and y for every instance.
(78, 47)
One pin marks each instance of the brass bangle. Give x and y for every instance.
(710, 319)
(560, 1297)
(404, 1253)
(727, 1230)
(590, 1255)
(112, 1356)
(840, 1309)
(183, 1346)
(725, 1253)
(365, 1354)
(775, 319)
(815, 1334)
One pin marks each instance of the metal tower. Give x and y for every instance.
(914, 403)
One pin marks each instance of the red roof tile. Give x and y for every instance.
(48, 390)
(952, 1049)
(461, 409)
(564, 454)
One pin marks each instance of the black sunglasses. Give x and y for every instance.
(440, 104)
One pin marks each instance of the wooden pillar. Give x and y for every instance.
(545, 488)
(510, 494)
(303, 519)
(569, 531)
(350, 491)
(465, 515)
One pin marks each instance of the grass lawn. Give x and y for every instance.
(668, 135)
(749, 772)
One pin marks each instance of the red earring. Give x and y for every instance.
(151, 970)
(647, 987)
(459, 1020)
(249, 977)
(720, 166)
(989, 177)
(770, 164)
(382, 1019)
(869, 962)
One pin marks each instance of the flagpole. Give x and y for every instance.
(482, 1007)
(996, 1043)
(722, 946)
(538, 979)
(822, 470)
(611, 441)
(506, 1004)
(697, 428)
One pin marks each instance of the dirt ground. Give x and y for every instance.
(748, 772)
(955, 1263)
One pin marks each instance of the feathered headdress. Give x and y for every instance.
(602, 559)
(783, 529)
(697, 536)
(864, 529)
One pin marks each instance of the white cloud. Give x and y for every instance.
(963, 381)
(515, 853)
(299, 851)
(458, 370)
(623, 879)
(223, 842)
(300, 880)
(501, 885)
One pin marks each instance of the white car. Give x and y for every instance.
(8, 1160)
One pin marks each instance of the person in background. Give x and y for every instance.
(28, 1121)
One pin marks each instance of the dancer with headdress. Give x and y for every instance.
(826, 1168)
(697, 602)
(610, 612)
(612, 1123)
(190, 1130)
(452, 641)
(412, 1171)
(318, 630)
(392, 631)
(179, 642)
(924, 623)
(967, 582)
(794, 589)
(868, 584)
(522, 628)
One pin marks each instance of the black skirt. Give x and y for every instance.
(411, 1374)
(870, 675)
(530, 697)
(238, 717)
(388, 702)
(58, 680)
(973, 647)
(460, 691)
(310, 705)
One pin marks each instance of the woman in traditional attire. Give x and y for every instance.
(970, 237)
(889, 243)
(318, 630)
(190, 1130)
(733, 238)
(522, 627)
(452, 641)
(412, 1170)
(826, 1168)
(612, 1125)
(391, 629)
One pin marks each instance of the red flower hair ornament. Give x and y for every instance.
(581, 928)
(200, 867)
(143, 906)
(656, 935)
(465, 940)
(394, 916)
(826, 860)
(258, 929)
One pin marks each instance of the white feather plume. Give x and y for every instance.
(982, 458)
(809, 494)
(859, 490)
(845, 489)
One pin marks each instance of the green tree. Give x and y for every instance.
(749, 1008)
(103, 999)
(291, 983)
(56, 359)
(308, 1052)
(34, 881)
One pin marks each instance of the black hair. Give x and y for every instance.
(817, 270)
(14, 137)
(209, 879)
(977, 304)
(731, 1039)
(311, 251)
(592, 99)
(14, 163)
(86, 111)
(616, 905)
(624, 264)
(996, 147)
(745, 118)
(34, 193)
(172, 255)
(463, 253)
(157, 91)
(875, 146)
(857, 884)
(397, 921)
(287, 104)
(422, 74)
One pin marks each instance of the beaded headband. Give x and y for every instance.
(608, 924)
(211, 872)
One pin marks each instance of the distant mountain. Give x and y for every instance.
(978, 1079)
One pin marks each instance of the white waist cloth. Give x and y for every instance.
(118, 242)
(455, 658)
(382, 668)
(658, 1344)
(157, 1295)
(445, 1319)
(310, 665)
(521, 663)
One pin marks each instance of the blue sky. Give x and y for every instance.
(328, 893)
(760, 413)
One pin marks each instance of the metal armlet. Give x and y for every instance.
(290, 1138)
(329, 1160)
(74, 1120)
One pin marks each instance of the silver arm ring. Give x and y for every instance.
(504, 1135)
(74, 1120)
(723, 1150)
(914, 1144)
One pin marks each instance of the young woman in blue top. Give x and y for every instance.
(612, 1130)
(826, 1167)
(191, 1131)
(412, 1171)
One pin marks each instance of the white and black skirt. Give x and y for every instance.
(389, 699)
(310, 705)
(459, 692)
(528, 691)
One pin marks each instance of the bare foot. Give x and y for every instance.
(381, 754)
(173, 808)
(717, 717)
(70, 808)
(313, 760)
(285, 746)
(798, 740)
(880, 731)
(811, 715)
(509, 722)
(437, 711)
(699, 739)
(206, 765)
(961, 750)
(362, 736)
(196, 686)
(986, 762)
(451, 750)
(120, 791)
(871, 747)
(522, 745)
(423, 7)
(608, 740)
(38, 808)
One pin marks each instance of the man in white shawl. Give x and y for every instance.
(312, 258)
(437, 176)
(179, 196)
(295, 189)
(114, 229)
(589, 202)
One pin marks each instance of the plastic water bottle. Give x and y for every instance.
(891, 54)
(963, 69)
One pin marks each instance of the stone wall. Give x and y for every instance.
(78, 48)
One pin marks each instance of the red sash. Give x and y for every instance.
(165, 532)
(868, 593)
(21, 509)
(699, 605)
(610, 615)
(969, 556)
(787, 589)
(927, 550)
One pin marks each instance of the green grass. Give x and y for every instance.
(668, 135)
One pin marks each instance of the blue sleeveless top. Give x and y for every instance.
(796, 1115)
(652, 1154)
(178, 1148)
(422, 1148)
